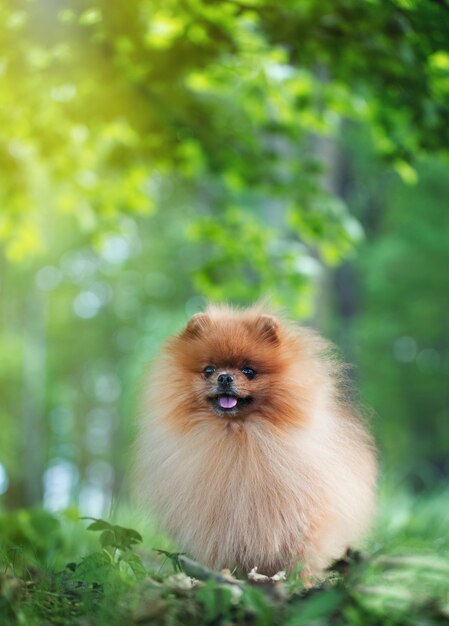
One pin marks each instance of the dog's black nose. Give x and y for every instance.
(225, 379)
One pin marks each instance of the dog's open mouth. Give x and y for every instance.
(229, 403)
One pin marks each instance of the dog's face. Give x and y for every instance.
(230, 366)
(228, 389)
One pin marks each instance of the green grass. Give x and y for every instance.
(53, 570)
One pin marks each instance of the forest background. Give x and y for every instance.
(155, 155)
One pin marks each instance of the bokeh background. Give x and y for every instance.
(155, 155)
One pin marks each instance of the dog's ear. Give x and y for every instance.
(268, 328)
(196, 326)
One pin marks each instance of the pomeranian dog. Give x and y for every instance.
(249, 453)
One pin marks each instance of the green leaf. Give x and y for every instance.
(216, 600)
(315, 608)
(114, 535)
(99, 525)
(91, 16)
(173, 557)
(135, 563)
(97, 567)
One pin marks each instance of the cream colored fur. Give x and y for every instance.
(256, 494)
(274, 499)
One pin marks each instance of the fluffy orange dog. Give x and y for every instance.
(249, 455)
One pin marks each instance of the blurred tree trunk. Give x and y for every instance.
(338, 284)
(33, 401)
(338, 289)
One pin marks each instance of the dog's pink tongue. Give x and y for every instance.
(227, 402)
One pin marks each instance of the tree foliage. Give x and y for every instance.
(225, 100)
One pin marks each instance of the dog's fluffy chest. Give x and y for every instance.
(230, 477)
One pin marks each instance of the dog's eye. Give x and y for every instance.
(208, 370)
(249, 372)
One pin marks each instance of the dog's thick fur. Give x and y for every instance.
(290, 479)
